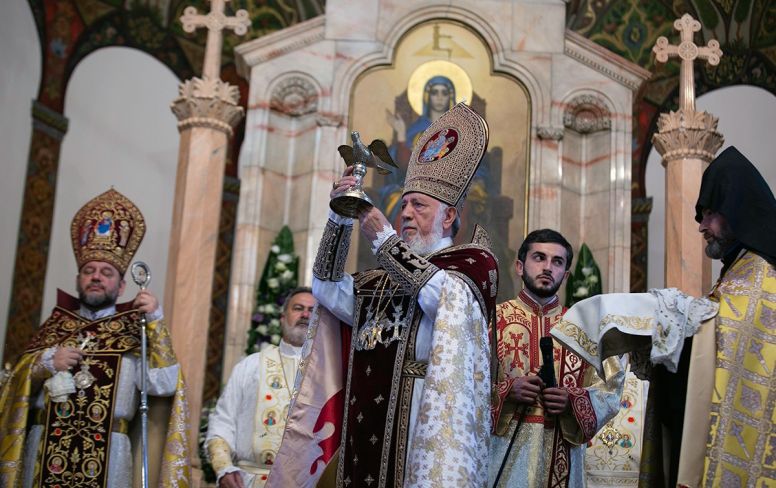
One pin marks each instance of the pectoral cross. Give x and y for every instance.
(215, 21)
(688, 51)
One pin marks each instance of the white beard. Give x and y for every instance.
(425, 245)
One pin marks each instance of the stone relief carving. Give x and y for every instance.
(294, 96)
(326, 119)
(687, 134)
(586, 114)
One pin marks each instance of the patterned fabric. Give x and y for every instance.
(548, 450)
(407, 269)
(77, 433)
(653, 324)
(579, 399)
(313, 427)
(332, 252)
(457, 381)
(741, 448)
(107, 228)
(447, 154)
(613, 456)
(377, 415)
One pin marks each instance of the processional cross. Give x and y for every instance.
(688, 51)
(215, 21)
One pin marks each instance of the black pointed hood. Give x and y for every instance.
(733, 187)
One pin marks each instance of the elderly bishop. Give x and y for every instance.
(395, 385)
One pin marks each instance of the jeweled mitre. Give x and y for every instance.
(107, 228)
(447, 154)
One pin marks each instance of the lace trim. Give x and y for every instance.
(381, 237)
(678, 316)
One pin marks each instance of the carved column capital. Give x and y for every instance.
(550, 133)
(687, 134)
(207, 103)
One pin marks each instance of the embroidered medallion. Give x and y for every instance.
(83, 379)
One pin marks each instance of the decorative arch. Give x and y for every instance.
(391, 35)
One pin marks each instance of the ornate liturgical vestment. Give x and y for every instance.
(395, 333)
(548, 450)
(84, 439)
(245, 429)
(731, 412)
(78, 423)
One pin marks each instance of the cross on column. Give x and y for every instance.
(215, 21)
(688, 52)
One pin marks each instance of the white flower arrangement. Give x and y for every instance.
(279, 277)
(582, 291)
(286, 276)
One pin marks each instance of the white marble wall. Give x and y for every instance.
(527, 41)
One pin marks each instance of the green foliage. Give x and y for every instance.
(280, 276)
(585, 281)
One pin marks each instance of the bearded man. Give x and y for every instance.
(401, 352)
(728, 438)
(541, 430)
(727, 432)
(246, 427)
(74, 428)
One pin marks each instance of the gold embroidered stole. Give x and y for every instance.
(274, 388)
(613, 456)
(75, 446)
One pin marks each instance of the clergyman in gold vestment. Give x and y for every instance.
(65, 411)
(729, 437)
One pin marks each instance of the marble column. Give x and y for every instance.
(206, 110)
(687, 140)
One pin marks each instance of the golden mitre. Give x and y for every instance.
(107, 228)
(447, 154)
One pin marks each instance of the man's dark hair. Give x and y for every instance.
(295, 291)
(545, 236)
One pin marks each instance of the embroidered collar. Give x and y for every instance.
(538, 309)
